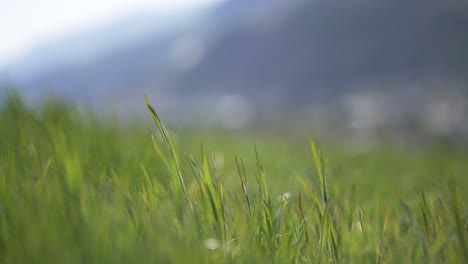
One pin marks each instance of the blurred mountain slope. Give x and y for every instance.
(299, 52)
(332, 43)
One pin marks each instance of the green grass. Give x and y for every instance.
(75, 188)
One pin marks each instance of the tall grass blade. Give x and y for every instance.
(262, 178)
(320, 166)
(212, 197)
(176, 170)
(243, 178)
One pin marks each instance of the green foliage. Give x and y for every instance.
(75, 188)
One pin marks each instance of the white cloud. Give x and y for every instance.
(27, 23)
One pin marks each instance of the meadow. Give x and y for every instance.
(79, 188)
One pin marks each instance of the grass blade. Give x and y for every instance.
(176, 170)
(319, 165)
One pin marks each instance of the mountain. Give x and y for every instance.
(321, 47)
(90, 63)
(293, 52)
(128, 55)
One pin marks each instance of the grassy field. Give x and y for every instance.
(75, 188)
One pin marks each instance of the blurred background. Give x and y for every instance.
(360, 70)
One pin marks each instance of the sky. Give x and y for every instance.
(25, 24)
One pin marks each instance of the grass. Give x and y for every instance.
(75, 188)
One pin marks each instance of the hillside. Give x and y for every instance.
(297, 53)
